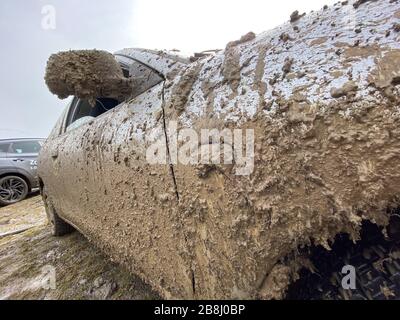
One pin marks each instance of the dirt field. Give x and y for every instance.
(32, 259)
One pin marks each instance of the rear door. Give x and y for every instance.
(23, 154)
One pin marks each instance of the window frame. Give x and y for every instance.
(70, 114)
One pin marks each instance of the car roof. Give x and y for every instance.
(160, 61)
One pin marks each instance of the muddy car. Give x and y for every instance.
(308, 185)
(18, 166)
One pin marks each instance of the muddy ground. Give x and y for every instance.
(30, 258)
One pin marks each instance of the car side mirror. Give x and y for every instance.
(87, 74)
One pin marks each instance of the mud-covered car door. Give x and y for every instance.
(116, 197)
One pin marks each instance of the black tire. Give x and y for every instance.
(59, 227)
(377, 264)
(13, 189)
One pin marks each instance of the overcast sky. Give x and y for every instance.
(28, 37)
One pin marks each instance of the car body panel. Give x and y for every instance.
(246, 224)
(6, 166)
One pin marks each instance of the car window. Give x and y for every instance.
(81, 111)
(23, 147)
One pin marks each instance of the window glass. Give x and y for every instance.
(81, 110)
(23, 147)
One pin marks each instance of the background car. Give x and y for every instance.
(18, 165)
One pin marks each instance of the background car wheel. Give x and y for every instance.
(12, 189)
(58, 226)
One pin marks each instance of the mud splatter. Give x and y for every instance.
(295, 16)
(259, 85)
(274, 286)
(246, 38)
(287, 66)
(231, 68)
(347, 89)
(358, 3)
(181, 90)
(387, 72)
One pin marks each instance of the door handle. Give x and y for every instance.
(18, 160)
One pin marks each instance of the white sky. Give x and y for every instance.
(27, 109)
(209, 24)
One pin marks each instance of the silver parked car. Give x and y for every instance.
(18, 166)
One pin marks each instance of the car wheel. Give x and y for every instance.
(58, 226)
(12, 189)
(376, 260)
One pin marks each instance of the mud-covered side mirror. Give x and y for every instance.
(87, 74)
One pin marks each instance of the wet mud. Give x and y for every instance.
(325, 113)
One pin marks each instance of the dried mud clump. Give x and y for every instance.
(231, 67)
(86, 74)
(182, 89)
(387, 71)
(246, 38)
(287, 66)
(349, 88)
(295, 16)
(358, 3)
(275, 284)
(386, 75)
(285, 37)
